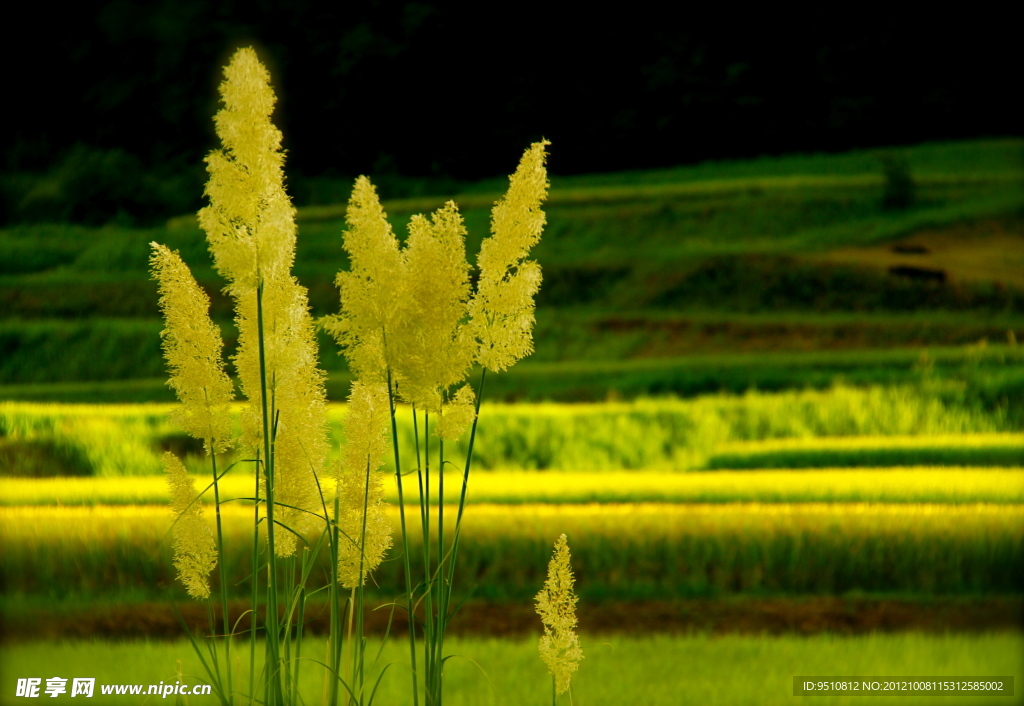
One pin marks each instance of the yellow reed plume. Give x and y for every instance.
(556, 603)
(192, 345)
(434, 347)
(250, 226)
(360, 487)
(502, 309)
(403, 310)
(250, 221)
(195, 550)
(372, 291)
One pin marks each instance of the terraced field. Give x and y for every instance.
(682, 273)
(782, 504)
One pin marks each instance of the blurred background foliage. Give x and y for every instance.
(799, 192)
(426, 97)
(784, 257)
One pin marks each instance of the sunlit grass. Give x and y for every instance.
(649, 434)
(920, 484)
(657, 670)
(621, 551)
(1000, 440)
(946, 449)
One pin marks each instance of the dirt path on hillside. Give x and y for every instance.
(807, 615)
(990, 251)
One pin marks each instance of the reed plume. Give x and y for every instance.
(502, 308)
(195, 549)
(250, 222)
(192, 345)
(556, 603)
(434, 348)
(362, 519)
(408, 312)
(456, 414)
(250, 227)
(372, 291)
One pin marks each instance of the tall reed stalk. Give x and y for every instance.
(411, 327)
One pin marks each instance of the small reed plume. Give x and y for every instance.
(556, 603)
(457, 414)
(195, 549)
(365, 528)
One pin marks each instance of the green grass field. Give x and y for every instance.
(589, 370)
(653, 670)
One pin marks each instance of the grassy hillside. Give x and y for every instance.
(780, 256)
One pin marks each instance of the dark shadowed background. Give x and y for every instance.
(119, 94)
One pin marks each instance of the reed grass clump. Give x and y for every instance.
(412, 325)
(412, 328)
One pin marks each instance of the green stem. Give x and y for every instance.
(335, 639)
(255, 585)
(357, 667)
(298, 643)
(440, 512)
(274, 691)
(465, 482)
(351, 647)
(429, 632)
(405, 546)
(285, 650)
(443, 588)
(222, 574)
(212, 646)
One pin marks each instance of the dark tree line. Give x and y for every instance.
(421, 90)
